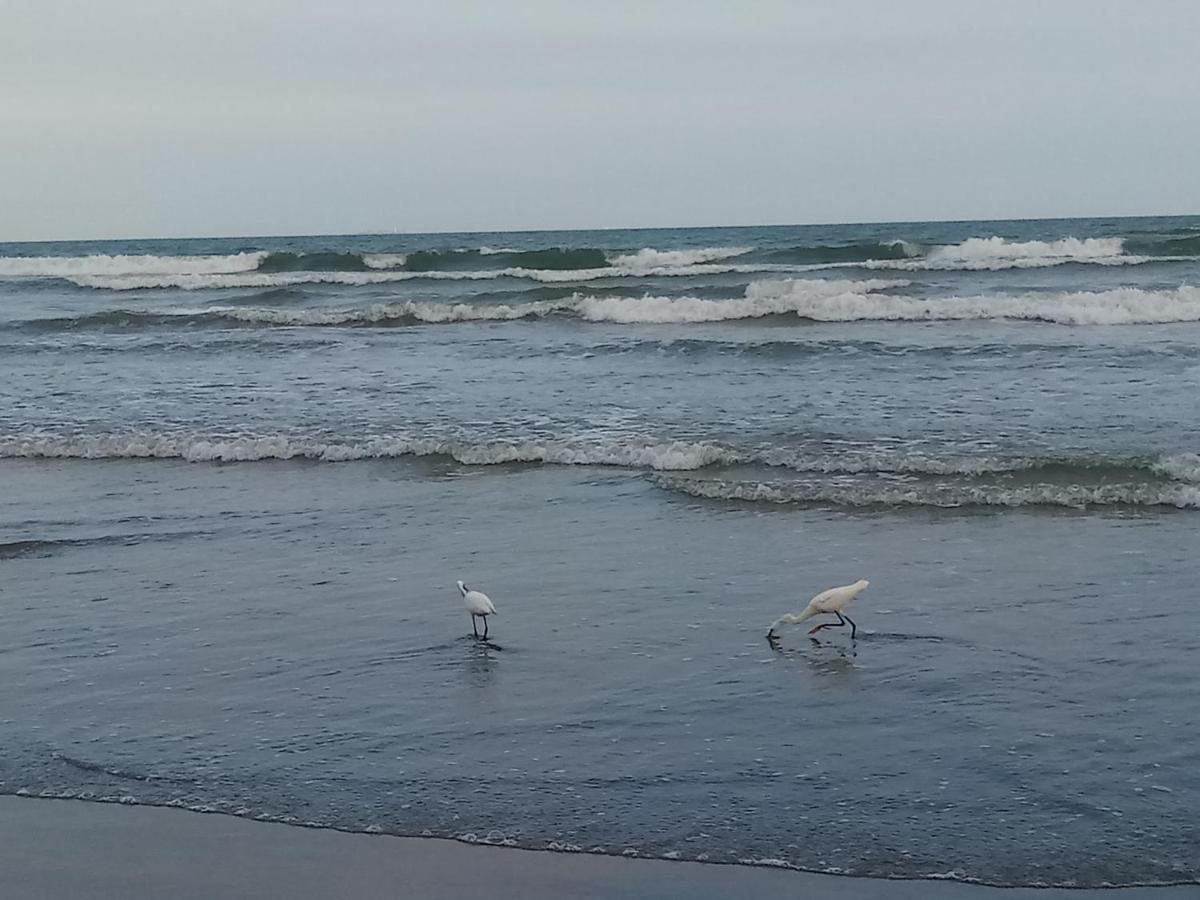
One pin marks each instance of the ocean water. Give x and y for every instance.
(239, 478)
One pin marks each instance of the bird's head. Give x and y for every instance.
(862, 584)
(462, 588)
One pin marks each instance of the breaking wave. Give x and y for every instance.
(764, 302)
(813, 300)
(409, 312)
(282, 268)
(761, 299)
(263, 268)
(994, 253)
(850, 477)
(998, 253)
(649, 259)
(102, 265)
(385, 260)
(815, 255)
(1121, 306)
(368, 275)
(634, 453)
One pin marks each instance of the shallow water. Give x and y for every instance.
(228, 553)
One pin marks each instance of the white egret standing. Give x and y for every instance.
(477, 604)
(833, 601)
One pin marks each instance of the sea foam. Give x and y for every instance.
(104, 266)
(1121, 306)
(944, 495)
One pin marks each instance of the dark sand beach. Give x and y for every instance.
(54, 849)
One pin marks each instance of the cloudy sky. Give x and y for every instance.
(150, 118)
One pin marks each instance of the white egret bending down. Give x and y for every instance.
(833, 601)
(478, 604)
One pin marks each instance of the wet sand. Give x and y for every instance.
(56, 849)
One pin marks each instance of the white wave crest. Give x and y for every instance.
(997, 249)
(648, 258)
(761, 299)
(218, 281)
(1121, 306)
(630, 452)
(647, 309)
(384, 268)
(101, 265)
(907, 247)
(385, 260)
(381, 274)
(383, 313)
(956, 483)
(643, 271)
(816, 299)
(945, 495)
(1180, 467)
(998, 253)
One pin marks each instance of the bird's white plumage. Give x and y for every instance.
(477, 602)
(831, 601)
(836, 599)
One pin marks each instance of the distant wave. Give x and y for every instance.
(409, 312)
(994, 253)
(385, 260)
(790, 298)
(551, 258)
(281, 268)
(368, 275)
(761, 299)
(1121, 306)
(101, 265)
(36, 547)
(816, 255)
(649, 259)
(813, 300)
(1165, 246)
(998, 253)
(566, 264)
(560, 259)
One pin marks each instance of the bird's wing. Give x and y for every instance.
(834, 598)
(821, 603)
(480, 604)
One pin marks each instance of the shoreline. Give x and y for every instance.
(56, 848)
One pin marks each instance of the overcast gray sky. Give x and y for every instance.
(236, 117)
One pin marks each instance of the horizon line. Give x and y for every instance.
(846, 224)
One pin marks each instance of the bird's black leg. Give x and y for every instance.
(485, 628)
(839, 624)
(853, 627)
(474, 630)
